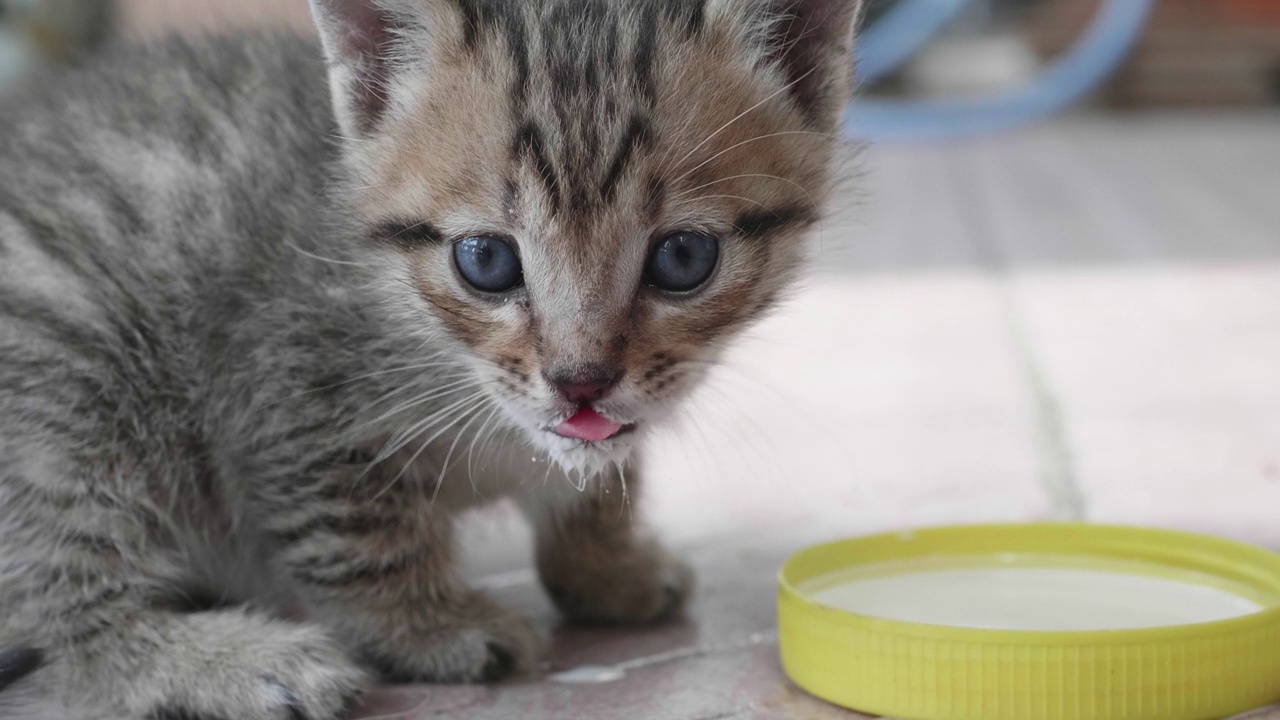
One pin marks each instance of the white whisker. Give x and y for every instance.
(358, 378)
(758, 138)
(321, 258)
(738, 117)
(417, 429)
(434, 393)
(444, 466)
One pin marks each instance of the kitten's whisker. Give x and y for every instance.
(474, 409)
(793, 183)
(735, 146)
(409, 463)
(344, 138)
(739, 116)
(472, 447)
(417, 429)
(706, 446)
(405, 388)
(688, 201)
(756, 384)
(321, 258)
(444, 466)
(358, 378)
(761, 436)
(434, 393)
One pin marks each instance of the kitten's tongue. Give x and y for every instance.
(588, 425)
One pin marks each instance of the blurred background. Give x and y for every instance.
(1190, 54)
(1048, 289)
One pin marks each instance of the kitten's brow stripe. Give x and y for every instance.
(761, 223)
(406, 235)
(480, 16)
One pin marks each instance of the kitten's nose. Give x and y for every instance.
(583, 383)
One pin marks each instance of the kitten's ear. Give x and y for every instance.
(366, 42)
(810, 41)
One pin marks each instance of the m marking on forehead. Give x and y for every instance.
(530, 146)
(506, 19)
(406, 234)
(638, 134)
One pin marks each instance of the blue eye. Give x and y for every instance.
(682, 261)
(488, 263)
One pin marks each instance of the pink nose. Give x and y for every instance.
(583, 383)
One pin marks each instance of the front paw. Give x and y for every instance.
(640, 584)
(468, 640)
(228, 664)
(294, 672)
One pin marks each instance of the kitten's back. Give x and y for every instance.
(164, 152)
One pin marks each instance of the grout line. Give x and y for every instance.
(1057, 467)
(1057, 474)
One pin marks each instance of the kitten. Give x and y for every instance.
(261, 338)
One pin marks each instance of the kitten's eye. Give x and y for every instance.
(682, 261)
(490, 264)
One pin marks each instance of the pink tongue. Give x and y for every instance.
(588, 425)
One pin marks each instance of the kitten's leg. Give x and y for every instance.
(91, 582)
(374, 562)
(595, 563)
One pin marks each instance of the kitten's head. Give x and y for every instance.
(588, 197)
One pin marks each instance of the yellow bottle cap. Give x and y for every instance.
(923, 671)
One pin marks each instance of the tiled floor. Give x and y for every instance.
(1082, 321)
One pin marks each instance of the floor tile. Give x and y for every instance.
(1167, 382)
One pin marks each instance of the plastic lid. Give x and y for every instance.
(921, 671)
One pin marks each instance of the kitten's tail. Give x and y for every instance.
(17, 663)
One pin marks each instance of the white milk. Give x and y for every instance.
(1032, 598)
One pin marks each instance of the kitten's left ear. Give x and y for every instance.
(810, 41)
(367, 44)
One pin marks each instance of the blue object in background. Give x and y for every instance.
(899, 34)
(1110, 36)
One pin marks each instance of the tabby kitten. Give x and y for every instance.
(260, 338)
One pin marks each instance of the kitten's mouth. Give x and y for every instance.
(590, 426)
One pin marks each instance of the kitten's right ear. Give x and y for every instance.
(366, 42)
(810, 41)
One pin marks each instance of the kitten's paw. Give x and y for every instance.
(475, 640)
(286, 673)
(642, 584)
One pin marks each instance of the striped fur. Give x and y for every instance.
(239, 375)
